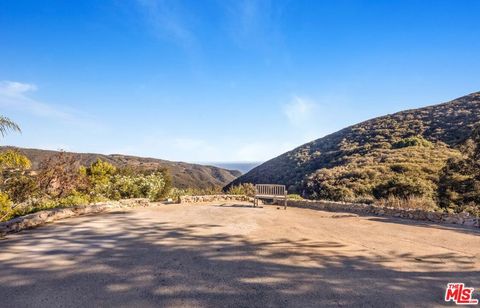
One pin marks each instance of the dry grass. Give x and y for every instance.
(410, 203)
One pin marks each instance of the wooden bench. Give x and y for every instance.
(270, 191)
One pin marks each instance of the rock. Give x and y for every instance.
(470, 222)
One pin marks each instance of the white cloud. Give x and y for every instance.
(14, 94)
(18, 95)
(299, 111)
(13, 88)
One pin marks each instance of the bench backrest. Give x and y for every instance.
(270, 190)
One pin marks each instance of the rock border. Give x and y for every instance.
(42, 217)
(464, 219)
(214, 198)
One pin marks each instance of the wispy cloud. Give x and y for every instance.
(300, 110)
(254, 24)
(15, 94)
(15, 89)
(168, 21)
(19, 96)
(247, 17)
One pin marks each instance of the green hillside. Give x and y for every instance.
(401, 154)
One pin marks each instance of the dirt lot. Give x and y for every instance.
(235, 255)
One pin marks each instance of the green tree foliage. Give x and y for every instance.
(99, 176)
(152, 186)
(108, 182)
(12, 164)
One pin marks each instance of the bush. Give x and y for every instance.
(12, 159)
(294, 197)
(21, 187)
(412, 142)
(60, 176)
(246, 189)
(459, 185)
(402, 187)
(73, 199)
(151, 186)
(5, 207)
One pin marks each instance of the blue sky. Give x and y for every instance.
(220, 80)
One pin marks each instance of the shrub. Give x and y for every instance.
(5, 207)
(246, 189)
(151, 186)
(459, 185)
(60, 176)
(100, 172)
(12, 159)
(294, 197)
(75, 198)
(21, 187)
(176, 193)
(412, 142)
(99, 176)
(402, 187)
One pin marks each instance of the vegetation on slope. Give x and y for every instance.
(184, 175)
(60, 179)
(60, 183)
(459, 185)
(398, 155)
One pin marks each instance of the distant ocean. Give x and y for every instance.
(242, 167)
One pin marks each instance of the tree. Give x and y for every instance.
(7, 125)
(60, 175)
(9, 160)
(99, 176)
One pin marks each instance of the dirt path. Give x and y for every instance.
(232, 255)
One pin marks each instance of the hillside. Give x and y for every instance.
(401, 153)
(184, 175)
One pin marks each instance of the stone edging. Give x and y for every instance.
(214, 198)
(436, 217)
(357, 208)
(42, 217)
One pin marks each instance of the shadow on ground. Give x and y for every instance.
(141, 263)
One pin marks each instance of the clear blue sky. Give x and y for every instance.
(219, 80)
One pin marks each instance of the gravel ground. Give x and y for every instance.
(233, 255)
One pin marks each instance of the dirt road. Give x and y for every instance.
(235, 256)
